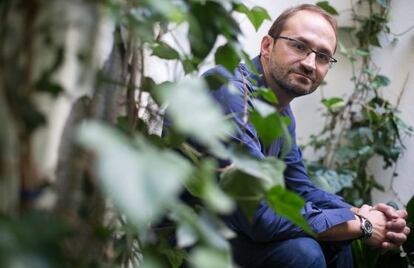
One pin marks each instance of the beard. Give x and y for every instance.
(292, 80)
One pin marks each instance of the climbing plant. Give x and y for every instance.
(361, 126)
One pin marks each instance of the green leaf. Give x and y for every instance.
(207, 257)
(215, 81)
(327, 7)
(271, 127)
(245, 189)
(194, 112)
(362, 52)
(269, 170)
(248, 179)
(383, 3)
(289, 205)
(204, 186)
(189, 65)
(167, 9)
(263, 108)
(267, 94)
(227, 56)
(164, 51)
(142, 181)
(256, 15)
(333, 103)
(380, 81)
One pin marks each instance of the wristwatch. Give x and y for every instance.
(366, 227)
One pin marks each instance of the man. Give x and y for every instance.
(294, 58)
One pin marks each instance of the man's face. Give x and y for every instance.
(300, 75)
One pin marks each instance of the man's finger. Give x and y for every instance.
(402, 213)
(364, 208)
(396, 238)
(389, 211)
(407, 230)
(387, 246)
(396, 225)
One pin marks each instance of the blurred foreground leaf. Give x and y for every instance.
(248, 179)
(289, 205)
(141, 180)
(194, 112)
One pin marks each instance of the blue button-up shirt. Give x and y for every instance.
(322, 210)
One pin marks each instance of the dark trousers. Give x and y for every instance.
(301, 252)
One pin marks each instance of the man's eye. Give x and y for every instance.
(299, 46)
(322, 57)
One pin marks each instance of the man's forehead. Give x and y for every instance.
(313, 26)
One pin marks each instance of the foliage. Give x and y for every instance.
(122, 193)
(360, 127)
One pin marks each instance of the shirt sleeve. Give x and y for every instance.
(322, 210)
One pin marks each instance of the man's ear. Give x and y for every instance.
(266, 46)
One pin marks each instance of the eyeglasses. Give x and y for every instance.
(303, 50)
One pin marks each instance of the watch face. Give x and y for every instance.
(368, 227)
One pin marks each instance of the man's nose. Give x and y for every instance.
(309, 62)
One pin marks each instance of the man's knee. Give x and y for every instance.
(298, 252)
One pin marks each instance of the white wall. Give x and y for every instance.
(396, 62)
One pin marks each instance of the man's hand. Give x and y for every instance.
(397, 230)
(378, 221)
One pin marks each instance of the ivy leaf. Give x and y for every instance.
(271, 126)
(267, 94)
(165, 51)
(204, 186)
(227, 56)
(143, 181)
(289, 205)
(248, 179)
(327, 7)
(380, 81)
(362, 52)
(168, 9)
(333, 103)
(207, 257)
(187, 103)
(256, 15)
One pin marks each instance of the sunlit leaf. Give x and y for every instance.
(207, 257)
(289, 205)
(263, 108)
(168, 9)
(256, 15)
(333, 103)
(141, 180)
(188, 103)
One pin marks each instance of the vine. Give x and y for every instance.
(360, 127)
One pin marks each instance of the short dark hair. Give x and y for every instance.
(279, 23)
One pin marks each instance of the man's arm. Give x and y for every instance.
(352, 229)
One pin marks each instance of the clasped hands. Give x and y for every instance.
(389, 225)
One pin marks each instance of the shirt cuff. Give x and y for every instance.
(321, 220)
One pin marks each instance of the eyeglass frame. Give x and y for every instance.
(331, 61)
